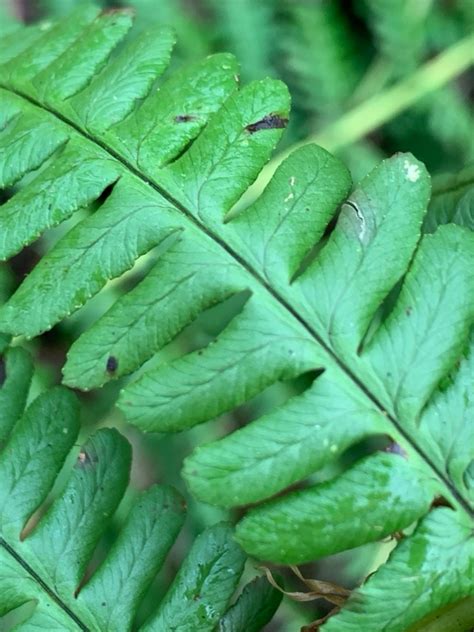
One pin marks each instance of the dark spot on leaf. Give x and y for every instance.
(112, 364)
(408, 311)
(270, 121)
(184, 118)
(3, 371)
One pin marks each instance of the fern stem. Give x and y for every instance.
(381, 108)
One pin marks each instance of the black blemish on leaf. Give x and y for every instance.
(408, 311)
(184, 118)
(112, 364)
(270, 121)
(3, 371)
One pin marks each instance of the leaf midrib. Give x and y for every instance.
(260, 280)
(49, 591)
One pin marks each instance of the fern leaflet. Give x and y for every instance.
(44, 558)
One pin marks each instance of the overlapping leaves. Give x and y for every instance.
(383, 317)
(45, 551)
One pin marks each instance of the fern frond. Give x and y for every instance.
(247, 29)
(452, 200)
(400, 30)
(321, 55)
(451, 121)
(174, 163)
(255, 606)
(467, 11)
(192, 39)
(44, 558)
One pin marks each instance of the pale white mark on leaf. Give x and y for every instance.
(412, 171)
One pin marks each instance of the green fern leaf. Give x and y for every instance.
(452, 200)
(247, 29)
(446, 572)
(255, 606)
(402, 29)
(16, 374)
(322, 56)
(192, 36)
(451, 121)
(399, 27)
(175, 163)
(44, 556)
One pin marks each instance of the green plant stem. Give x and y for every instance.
(375, 79)
(383, 107)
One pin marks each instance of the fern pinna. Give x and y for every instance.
(46, 560)
(175, 154)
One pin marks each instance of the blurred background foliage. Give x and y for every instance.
(337, 57)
